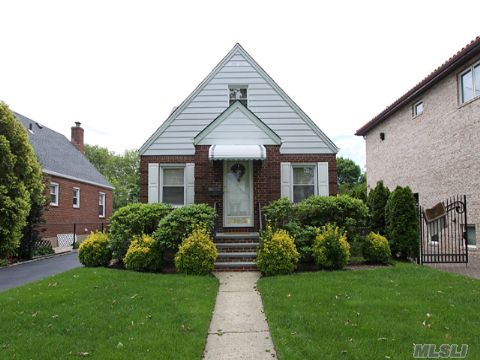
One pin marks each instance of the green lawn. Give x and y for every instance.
(107, 314)
(371, 314)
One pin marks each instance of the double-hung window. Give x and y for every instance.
(76, 197)
(173, 185)
(238, 93)
(303, 182)
(469, 82)
(54, 191)
(101, 204)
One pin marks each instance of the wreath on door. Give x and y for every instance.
(238, 171)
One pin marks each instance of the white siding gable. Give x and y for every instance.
(265, 99)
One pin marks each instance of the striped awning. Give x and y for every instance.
(237, 152)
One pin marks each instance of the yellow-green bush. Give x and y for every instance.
(196, 254)
(143, 255)
(277, 253)
(95, 250)
(330, 249)
(376, 249)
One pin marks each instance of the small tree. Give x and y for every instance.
(402, 223)
(348, 172)
(377, 200)
(21, 183)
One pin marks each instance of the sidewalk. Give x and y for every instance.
(238, 329)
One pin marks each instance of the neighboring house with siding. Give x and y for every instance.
(238, 141)
(77, 192)
(429, 139)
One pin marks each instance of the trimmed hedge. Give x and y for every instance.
(95, 250)
(197, 254)
(402, 223)
(134, 220)
(278, 213)
(376, 202)
(277, 253)
(330, 248)
(376, 249)
(303, 236)
(181, 222)
(143, 255)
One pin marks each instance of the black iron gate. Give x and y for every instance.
(443, 232)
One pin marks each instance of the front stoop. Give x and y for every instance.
(236, 251)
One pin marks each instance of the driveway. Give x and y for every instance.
(24, 273)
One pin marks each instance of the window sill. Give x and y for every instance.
(468, 102)
(416, 116)
(53, 204)
(101, 217)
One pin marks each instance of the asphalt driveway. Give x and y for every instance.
(24, 273)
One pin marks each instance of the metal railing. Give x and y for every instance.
(260, 218)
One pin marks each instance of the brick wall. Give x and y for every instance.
(65, 213)
(266, 176)
(435, 153)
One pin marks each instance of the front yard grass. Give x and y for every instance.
(107, 314)
(370, 314)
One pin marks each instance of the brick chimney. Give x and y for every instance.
(77, 136)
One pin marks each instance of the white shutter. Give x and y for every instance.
(286, 180)
(189, 183)
(322, 178)
(153, 185)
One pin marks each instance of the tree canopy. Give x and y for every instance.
(351, 181)
(21, 181)
(122, 171)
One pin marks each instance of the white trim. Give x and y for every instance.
(77, 206)
(238, 49)
(57, 193)
(160, 187)
(54, 173)
(224, 115)
(104, 203)
(225, 195)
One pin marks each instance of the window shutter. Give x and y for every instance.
(189, 183)
(153, 183)
(322, 178)
(286, 180)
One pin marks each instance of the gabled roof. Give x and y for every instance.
(237, 105)
(457, 60)
(59, 157)
(239, 49)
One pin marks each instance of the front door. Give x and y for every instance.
(238, 194)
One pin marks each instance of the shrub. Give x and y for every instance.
(43, 249)
(376, 202)
(277, 253)
(376, 249)
(143, 255)
(181, 222)
(346, 212)
(278, 213)
(197, 254)
(95, 250)
(133, 220)
(303, 236)
(402, 223)
(330, 248)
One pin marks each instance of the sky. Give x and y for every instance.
(119, 67)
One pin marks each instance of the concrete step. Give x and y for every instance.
(236, 238)
(237, 247)
(236, 257)
(236, 266)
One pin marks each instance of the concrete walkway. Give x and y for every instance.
(20, 274)
(238, 329)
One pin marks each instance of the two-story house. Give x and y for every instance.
(429, 139)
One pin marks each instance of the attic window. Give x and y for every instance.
(238, 93)
(418, 108)
(470, 83)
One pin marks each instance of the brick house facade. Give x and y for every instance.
(237, 142)
(78, 194)
(430, 137)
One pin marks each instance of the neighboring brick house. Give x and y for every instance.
(78, 193)
(429, 139)
(237, 141)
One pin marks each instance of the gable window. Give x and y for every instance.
(418, 108)
(238, 93)
(76, 197)
(54, 190)
(470, 83)
(101, 204)
(173, 185)
(303, 182)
